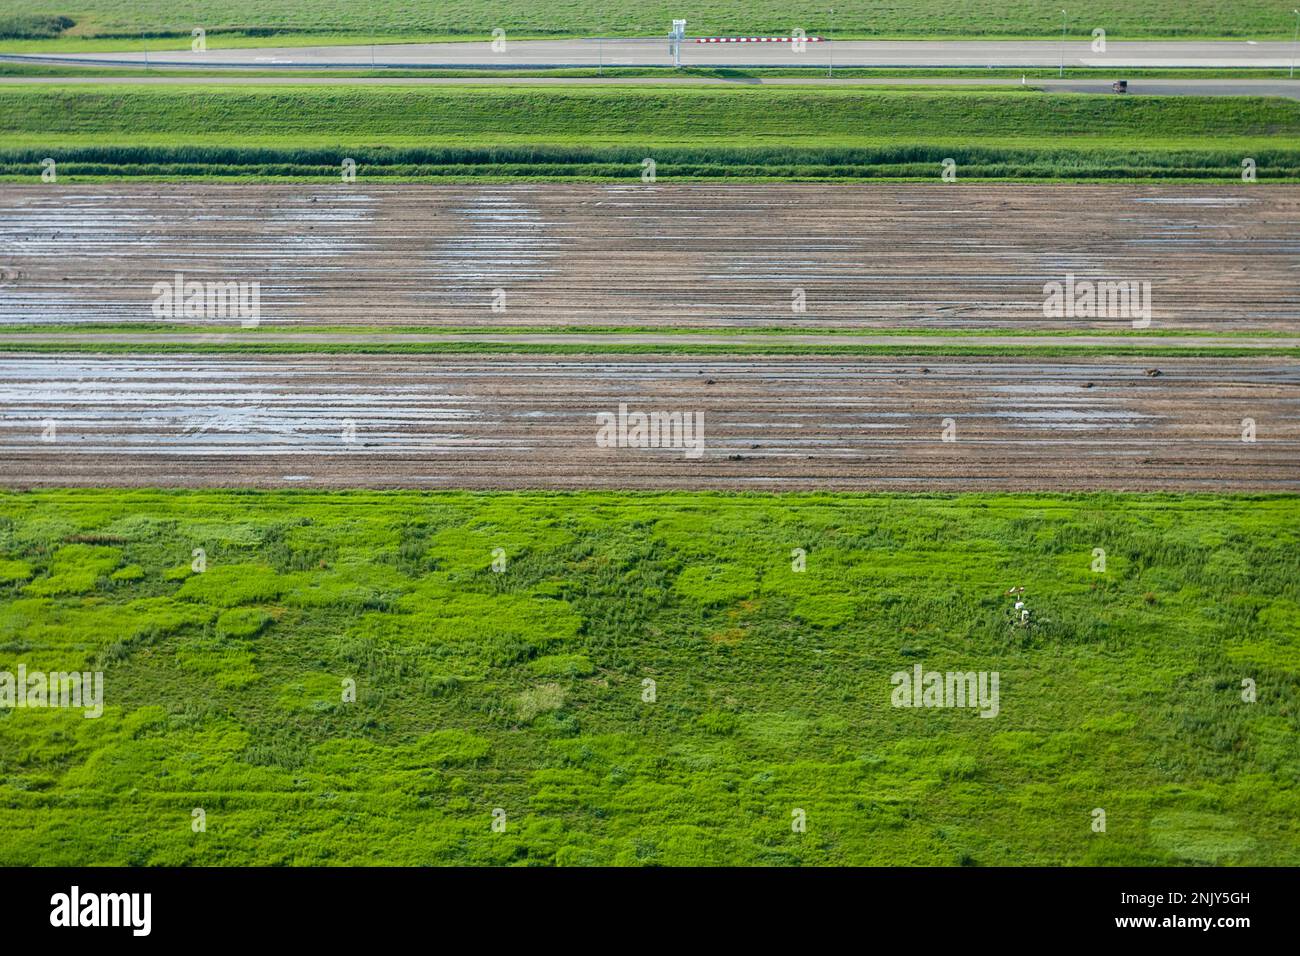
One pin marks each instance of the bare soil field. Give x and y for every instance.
(769, 424)
(915, 256)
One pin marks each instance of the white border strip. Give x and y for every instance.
(756, 39)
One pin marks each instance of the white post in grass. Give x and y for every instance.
(1062, 43)
(830, 47)
(1295, 40)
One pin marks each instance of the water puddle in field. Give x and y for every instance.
(253, 408)
(1062, 416)
(76, 257)
(1063, 407)
(1210, 201)
(504, 239)
(1070, 419)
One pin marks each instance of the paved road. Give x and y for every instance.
(1161, 87)
(1286, 88)
(654, 52)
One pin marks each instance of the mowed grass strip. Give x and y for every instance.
(272, 329)
(606, 132)
(746, 116)
(525, 687)
(1044, 350)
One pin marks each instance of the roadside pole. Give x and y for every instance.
(830, 47)
(1295, 40)
(675, 42)
(1062, 43)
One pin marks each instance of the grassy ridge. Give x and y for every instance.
(913, 163)
(524, 689)
(604, 348)
(607, 131)
(274, 328)
(276, 116)
(399, 18)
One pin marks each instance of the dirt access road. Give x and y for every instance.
(915, 256)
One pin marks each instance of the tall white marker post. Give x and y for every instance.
(675, 42)
(830, 48)
(1063, 18)
(1295, 41)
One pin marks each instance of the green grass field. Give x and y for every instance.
(524, 690)
(606, 132)
(248, 21)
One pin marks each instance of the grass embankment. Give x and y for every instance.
(848, 334)
(524, 689)
(624, 348)
(606, 132)
(771, 340)
(163, 24)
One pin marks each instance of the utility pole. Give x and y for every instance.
(1295, 40)
(1062, 43)
(600, 55)
(830, 47)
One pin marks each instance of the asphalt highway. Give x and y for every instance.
(655, 52)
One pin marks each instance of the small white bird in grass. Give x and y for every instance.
(1021, 610)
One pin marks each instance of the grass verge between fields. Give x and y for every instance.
(607, 132)
(686, 348)
(269, 328)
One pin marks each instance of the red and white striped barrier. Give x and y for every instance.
(755, 39)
